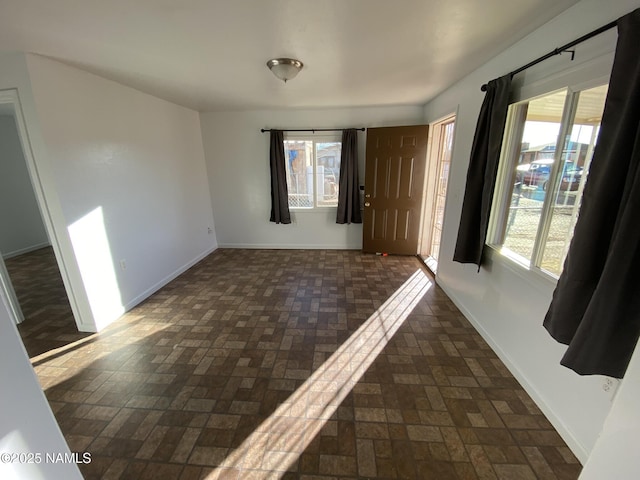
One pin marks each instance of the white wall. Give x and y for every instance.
(21, 227)
(27, 424)
(129, 174)
(505, 305)
(238, 164)
(615, 455)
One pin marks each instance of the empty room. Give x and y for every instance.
(319, 240)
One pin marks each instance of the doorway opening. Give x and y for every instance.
(30, 277)
(438, 167)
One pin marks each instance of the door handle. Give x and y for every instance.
(367, 204)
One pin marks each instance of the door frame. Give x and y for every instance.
(9, 293)
(428, 199)
(10, 97)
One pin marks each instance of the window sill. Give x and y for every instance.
(535, 277)
(314, 210)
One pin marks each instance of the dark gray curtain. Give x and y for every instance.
(596, 304)
(279, 194)
(348, 193)
(481, 175)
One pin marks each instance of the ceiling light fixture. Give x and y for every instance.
(285, 68)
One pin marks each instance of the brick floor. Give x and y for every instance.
(285, 364)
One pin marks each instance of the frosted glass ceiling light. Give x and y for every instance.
(285, 68)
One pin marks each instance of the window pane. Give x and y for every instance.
(446, 144)
(327, 173)
(299, 166)
(533, 167)
(576, 158)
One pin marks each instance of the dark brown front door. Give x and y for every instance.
(394, 181)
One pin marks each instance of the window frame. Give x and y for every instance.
(324, 137)
(505, 177)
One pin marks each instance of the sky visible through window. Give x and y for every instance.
(537, 133)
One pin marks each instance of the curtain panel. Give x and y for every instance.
(596, 306)
(279, 193)
(348, 191)
(481, 175)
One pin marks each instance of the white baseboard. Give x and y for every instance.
(176, 273)
(567, 435)
(22, 251)
(290, 246)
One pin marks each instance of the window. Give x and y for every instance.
(547, 150)
(438, 166)
(313, 171)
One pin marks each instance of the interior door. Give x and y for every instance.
(393, 187)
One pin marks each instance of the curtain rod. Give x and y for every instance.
(561, 49)
(311, 129)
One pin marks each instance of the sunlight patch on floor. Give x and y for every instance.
(276, 444)
(60, 364)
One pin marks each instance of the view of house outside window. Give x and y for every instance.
(313, 172)
(544, 165)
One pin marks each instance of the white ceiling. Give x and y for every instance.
(211, 54)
